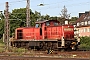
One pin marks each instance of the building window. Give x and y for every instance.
(88, 22)
(89, 30)
(85, 22)
(85, 29)
(82, 23)
(77, 24)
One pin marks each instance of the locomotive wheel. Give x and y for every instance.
(19, 44)
(22, 44)
(54, 46)
(69, 49)
(44, 48)
(49, 44)
(41, 45)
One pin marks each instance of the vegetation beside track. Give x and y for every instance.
(2, 46)
(85, 43)
(11, 49)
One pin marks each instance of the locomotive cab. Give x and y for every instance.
(44, 25)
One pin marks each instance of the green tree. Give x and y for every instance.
(53, 18)
(34, 17)
(47, 17)
(18, 18)
(74, 18)
(1, 24)
(1, 28)
(37, 15)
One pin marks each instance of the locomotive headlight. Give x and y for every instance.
(73, 48)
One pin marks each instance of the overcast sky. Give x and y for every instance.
(51, 7)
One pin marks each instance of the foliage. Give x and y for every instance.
(18, 50)
(73, 18)
(85, 42)
(17, 19)
(1, 28)
(2, 46)
(54, 18)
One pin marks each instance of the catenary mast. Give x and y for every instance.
(28, 14)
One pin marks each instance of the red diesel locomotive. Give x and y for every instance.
(47, 34)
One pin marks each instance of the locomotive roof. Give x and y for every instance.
(45, 21)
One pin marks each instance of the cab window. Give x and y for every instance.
(55, 23)
(47, 23)
(37, 25)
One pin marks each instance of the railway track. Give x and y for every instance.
(55, 54)
(36, 58)
(83, 50)
(81, 53)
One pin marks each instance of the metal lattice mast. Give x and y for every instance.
(28, 13)
(6, 27)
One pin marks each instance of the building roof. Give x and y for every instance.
(45, 21)
(84, 17)
(81, 18)
(42, 21)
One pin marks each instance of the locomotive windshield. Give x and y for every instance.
(37, 25)
(55, 23)
(47, 23)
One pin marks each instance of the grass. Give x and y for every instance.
(1, 43)
(18, 50)
(2, 46)
(12, 49)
